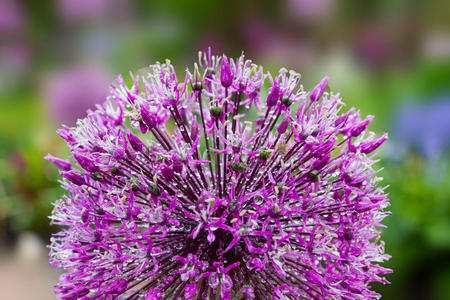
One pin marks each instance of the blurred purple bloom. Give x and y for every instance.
(277, 45)
(372, 46)
(86, 10)
(15, 54)
(424, 126)
(309, 9)
(70, 93)
(15, 59)
(11, 18)
(223, 205)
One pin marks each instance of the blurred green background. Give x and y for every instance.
(390, 58)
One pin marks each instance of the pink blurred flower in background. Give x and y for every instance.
(15, 58)
(372, 45)
(83, 10)
(277, 46)
(11, 17)
(14, 52)
(16, 55)
(309, 9)
(72, 91)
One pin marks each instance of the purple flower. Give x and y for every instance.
(11, 18)
(71, 92)
(181, 192)
(423, 126)
(91, 10)
(226, 77)
(273, 95)
(60, 163)
(317, 92)
(309, 10)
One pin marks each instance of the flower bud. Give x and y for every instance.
(64, 165)
(264, 153)
(226, 77)
(372, 146)
(358, 129)
(194, 130)
(256, 263)
(73, 177)
(274, 94)
(320, 163)
(147, 117)
(318, 90)
(135, 142)
(85, 162)
(177, 165)
(343, 118)
(286, 101)
(196, 86)
(283, 125)
(167, 173)
(216, 111)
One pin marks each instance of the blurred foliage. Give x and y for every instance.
(417, 237)
(378, 54)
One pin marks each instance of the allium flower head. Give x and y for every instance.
(213, 187)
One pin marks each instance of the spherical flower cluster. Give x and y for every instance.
(217, 188)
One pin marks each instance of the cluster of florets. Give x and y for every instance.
(216, 187)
